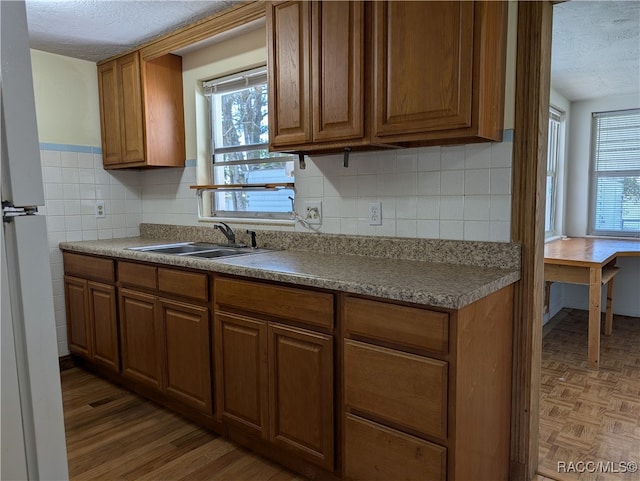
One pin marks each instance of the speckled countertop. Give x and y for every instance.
(446, 285)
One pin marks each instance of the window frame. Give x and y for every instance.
(555, 165)
(595, 175)
(230, 83)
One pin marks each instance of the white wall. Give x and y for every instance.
(626, 299)
(66, 90)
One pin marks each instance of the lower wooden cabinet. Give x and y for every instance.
(78, 322)
(423, 393)
(186, 334)
(379, 453)
(301, 392)
(92, 325)
(276, 382)
(404, 389)
(241, 372)
(165, 346)
(429, 403)
(103, 312)
(140, 338)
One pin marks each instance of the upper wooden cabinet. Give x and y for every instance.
(288, 27)
(141, 112)
(439, 71)
(352, 74)
(316, 74)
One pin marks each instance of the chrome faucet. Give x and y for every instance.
(227, 231)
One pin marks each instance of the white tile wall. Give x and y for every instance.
(73, 181)
(167, 198)
(453, 192)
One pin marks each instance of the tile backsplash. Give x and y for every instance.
(73, 181)
(460, 192)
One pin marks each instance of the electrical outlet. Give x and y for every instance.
(313, 212)
(375, 213)
(101, 211)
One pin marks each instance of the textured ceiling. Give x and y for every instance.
(98, 29)
(596, 48)
(596, 44)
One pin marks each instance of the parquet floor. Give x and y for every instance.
(589, 416)
(115, 435)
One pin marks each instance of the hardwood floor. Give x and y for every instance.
(590, 415)
(113, 434)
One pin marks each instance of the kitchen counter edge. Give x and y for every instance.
(446, 286)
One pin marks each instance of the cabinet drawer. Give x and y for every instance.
(181, 283)
(138, 275)
(404, 389)
(374, 452)
(88, 267)
(405, 326)
(315, 308)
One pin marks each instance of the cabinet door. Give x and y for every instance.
(163, 111)
(188, 363)
(102, 308)
(109, 113)
(130, 108)
(301, 393)
(338, 70)
(241, 371)
(423, 62)
(140, 338)
(78, 318)
(289, 48)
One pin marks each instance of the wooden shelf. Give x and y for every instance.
(270, 186)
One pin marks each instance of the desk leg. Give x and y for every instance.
(595, 293)
(608, 319)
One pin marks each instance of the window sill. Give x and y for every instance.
(249, 221)
(552, 238)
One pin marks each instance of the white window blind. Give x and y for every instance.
(238, 81)
(615, 189)
(250, 181)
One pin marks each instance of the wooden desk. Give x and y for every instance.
(588, 261)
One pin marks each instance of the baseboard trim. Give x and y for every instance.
(66, 362)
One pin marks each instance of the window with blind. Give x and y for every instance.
(554, 157)
(248, 180)
(615, 189)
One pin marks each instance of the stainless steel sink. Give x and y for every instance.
(197, 249)
(222, 252)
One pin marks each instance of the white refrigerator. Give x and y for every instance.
(33, 442)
